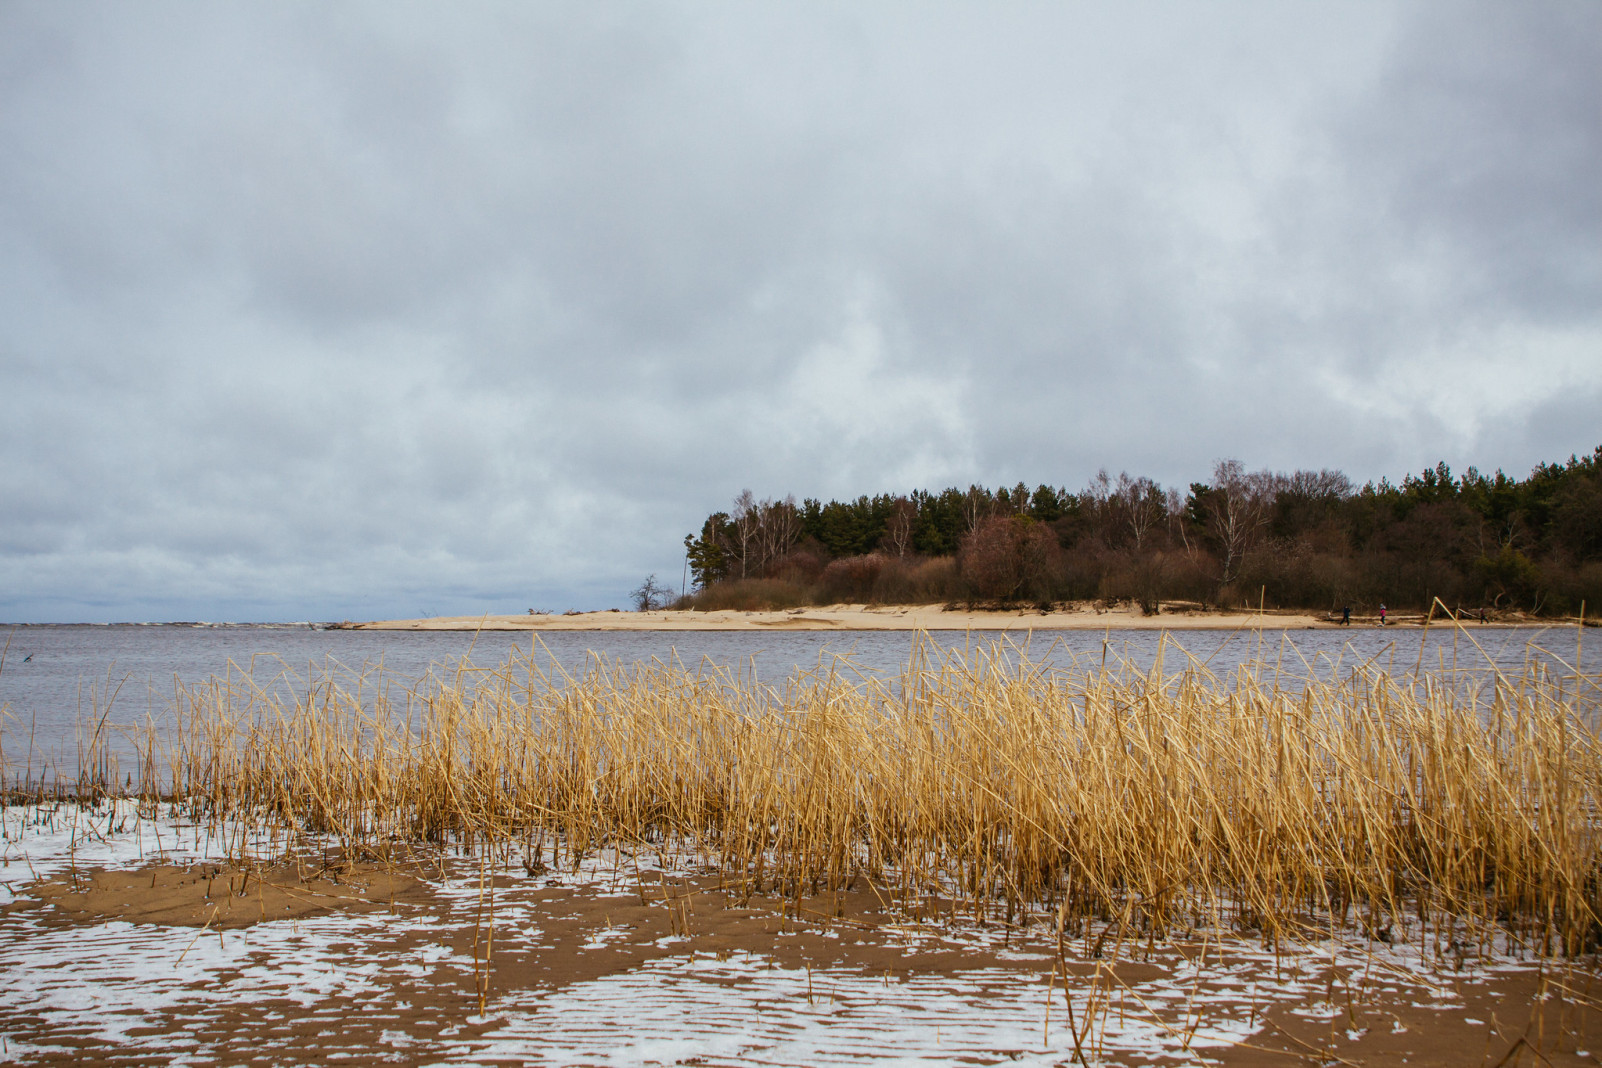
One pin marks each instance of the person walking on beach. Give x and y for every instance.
(1346, 616)
(1382, 615)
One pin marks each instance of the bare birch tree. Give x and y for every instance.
(778, 527)
(1177, 520)
(898, 531)
(744, 519)
(1238, 507)
(975, 508)
(1139, 503)
(764, 531)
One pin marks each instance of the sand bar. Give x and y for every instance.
(848, 617)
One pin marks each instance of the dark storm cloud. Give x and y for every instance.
(375, 309)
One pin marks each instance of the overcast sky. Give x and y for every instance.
(323, 311)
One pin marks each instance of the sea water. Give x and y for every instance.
(59, 685)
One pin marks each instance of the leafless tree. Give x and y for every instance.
(764, 531)
(1177, 521)
(1139, 504)
(1099, 492)
(1095, 503)
(778, 527)
(650, 595)
(1238, 507)
(744, 518)
(975, 508)
(898, 532)
(1325, 484)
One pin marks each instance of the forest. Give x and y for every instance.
(1304, 540)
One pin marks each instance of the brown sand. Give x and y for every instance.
(223, 896)
(1503, 1020)
(849, 617)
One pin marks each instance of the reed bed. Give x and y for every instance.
(1160, 801)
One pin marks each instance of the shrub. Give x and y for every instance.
(747, 595)
(1010, 558)
(851, 579)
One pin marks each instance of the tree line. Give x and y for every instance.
(1308, 539)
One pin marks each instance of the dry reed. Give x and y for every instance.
(1413, 806)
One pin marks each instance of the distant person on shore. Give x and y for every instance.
(1382, 615)
(1346, 616)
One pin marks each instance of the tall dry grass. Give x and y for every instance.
(1160, 800)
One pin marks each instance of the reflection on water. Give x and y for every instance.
(58, 681)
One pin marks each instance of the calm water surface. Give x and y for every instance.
(56, 678)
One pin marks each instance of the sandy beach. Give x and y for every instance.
(847, 617)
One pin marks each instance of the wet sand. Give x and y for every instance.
(131, 938)
(565, 970)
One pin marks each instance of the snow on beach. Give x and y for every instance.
(370, 984)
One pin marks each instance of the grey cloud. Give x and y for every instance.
(1487, 145)
(331, 311)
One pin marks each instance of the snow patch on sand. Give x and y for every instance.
(151, 989)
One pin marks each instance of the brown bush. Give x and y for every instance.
(851, 579)
(747, 595)
(801, 568)
(912, 580)
(1009, 558)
